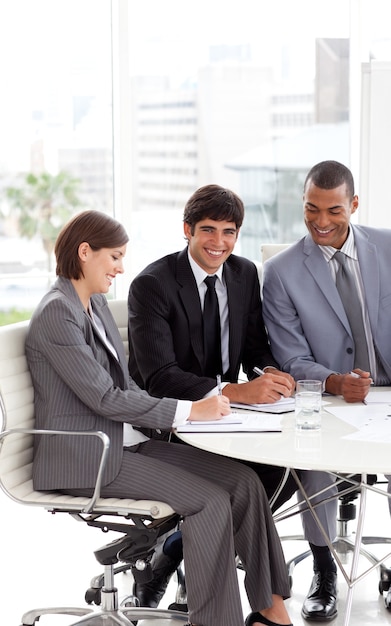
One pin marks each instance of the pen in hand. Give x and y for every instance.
(355, 375)
(260, 372)
(219, 388)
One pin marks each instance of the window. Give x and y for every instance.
(56, 117)
(143, 102)
(269, 101)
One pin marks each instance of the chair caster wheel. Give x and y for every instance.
(385, 579)
(383, 587)
(130, 601)
(93, 596)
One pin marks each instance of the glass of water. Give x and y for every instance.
(308, 402)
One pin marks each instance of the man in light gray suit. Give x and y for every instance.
(308, 327)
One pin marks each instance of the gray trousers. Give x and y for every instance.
(314, 481)
(225, 512)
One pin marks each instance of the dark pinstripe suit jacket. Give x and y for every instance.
(79, 385)
(165, 327)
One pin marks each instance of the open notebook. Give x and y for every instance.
(236, 422)
(284, 405)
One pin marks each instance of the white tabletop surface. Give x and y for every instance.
(326, 449)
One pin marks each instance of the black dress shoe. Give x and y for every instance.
(150, 593)
(321, 601)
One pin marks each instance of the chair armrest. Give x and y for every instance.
(105, 449)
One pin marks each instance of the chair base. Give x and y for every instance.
(114, 617)
(31, 617)
(344, 545)
(128, 617)
(110, 614)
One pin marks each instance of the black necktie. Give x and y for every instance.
(212, 337)
(347, 290)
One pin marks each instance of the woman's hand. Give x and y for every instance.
(212, 408)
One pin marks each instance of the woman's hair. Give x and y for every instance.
(329, 175)
(97, 229)
(215, 203)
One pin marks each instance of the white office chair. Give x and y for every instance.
(270, 249)
(140, 522)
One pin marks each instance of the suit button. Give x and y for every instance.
(349, 350)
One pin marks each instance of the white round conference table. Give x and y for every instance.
(327, 449)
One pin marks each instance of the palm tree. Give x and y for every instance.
(43, 203)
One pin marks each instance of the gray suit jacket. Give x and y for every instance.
(308, 329)
(166, 352)
(80, 385)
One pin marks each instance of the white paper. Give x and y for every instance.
(284, 405)
(236, 422)
(380, 396)
(373, 423)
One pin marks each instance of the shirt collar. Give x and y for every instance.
(200, 274)
(349, 248)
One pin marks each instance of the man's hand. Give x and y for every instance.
(212, 408)
(265, 389)
(353, 388)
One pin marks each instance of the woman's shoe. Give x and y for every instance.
(257, 617)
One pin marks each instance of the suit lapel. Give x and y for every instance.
(369, 268)
(102, 311)
(320, 272)
(236, 300)
(188, 293)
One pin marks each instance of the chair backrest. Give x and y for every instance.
(119, 309)
(17, 412)
(17, 407)
(270, 249)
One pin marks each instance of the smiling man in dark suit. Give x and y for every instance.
(168, 348)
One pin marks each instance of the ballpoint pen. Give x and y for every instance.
(219, 388)
(355, 375)
(260, 372)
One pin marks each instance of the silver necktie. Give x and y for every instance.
(347, 290)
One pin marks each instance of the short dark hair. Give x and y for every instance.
(97, 229)
(329, 175)
(213, 202)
